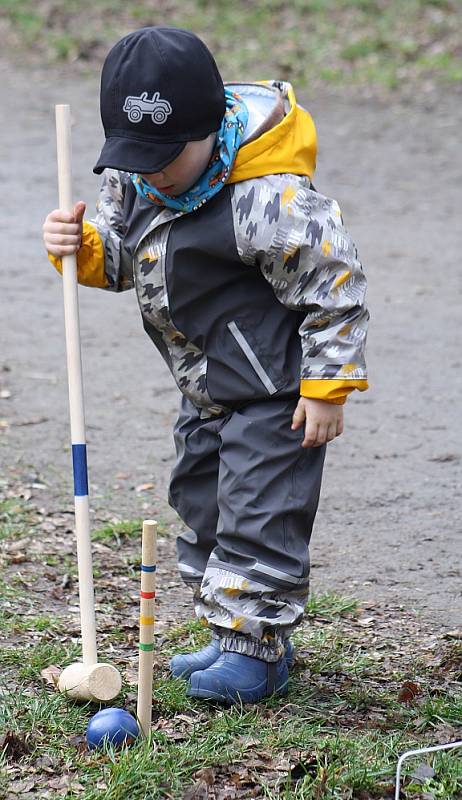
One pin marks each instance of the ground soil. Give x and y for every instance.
(389, 524)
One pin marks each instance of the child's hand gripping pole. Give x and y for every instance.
(90, 680)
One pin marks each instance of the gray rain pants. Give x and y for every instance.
(248, 493)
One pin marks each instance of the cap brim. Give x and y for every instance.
(135, 155)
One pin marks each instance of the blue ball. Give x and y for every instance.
(111, 726)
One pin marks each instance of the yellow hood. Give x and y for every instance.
(288, 147)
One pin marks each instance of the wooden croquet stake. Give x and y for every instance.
(147, 605)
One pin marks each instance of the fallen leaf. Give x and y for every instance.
(18, 558)
(60, 782)
(16, 546)
(366, 622)
(178, 736)
(13, 745)
(144, 487)
(408, 692)
(443, 458)
(75, 786)
(51, 674)
(131, 676)
(199, 791)
(78, 741)
(22, 787)
(228, 793)
(456, 634)
(46, 764)
(423, 773)
(207, 775)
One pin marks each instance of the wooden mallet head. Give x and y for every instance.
(99, 683)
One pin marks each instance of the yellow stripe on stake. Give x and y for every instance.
(146, 620)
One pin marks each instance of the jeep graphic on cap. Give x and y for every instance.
(158, 109)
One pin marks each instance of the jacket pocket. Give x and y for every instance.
(251, 357)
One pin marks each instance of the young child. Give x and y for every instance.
(251, 289)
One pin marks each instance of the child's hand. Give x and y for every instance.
(324, 421)
(62, 231)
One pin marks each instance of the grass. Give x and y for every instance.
(189, 634)
(347, 42)
(117, 532)
(18, 623)
(330, 606)
(15, 518)
(290, 758)
(114, 533)
(336, 736)
(30, 660)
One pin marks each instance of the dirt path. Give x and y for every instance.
(389, 524)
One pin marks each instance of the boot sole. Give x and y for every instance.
(230, 699)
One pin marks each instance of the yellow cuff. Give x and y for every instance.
(331, 391)
(90, 259)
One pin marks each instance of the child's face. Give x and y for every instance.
(183, 171)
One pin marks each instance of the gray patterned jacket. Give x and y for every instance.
(255, 291)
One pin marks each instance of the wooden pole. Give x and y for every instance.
(76, 406)
(147, 605)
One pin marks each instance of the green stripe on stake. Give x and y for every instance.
(146, 647)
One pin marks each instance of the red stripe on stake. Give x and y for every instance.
(147, 595)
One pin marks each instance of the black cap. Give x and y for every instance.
(160, 88)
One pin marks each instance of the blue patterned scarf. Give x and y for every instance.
(227, 144)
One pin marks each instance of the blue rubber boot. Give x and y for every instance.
(237, 678)
(290, 653)
(182, 666)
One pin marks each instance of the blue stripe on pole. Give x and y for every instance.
(79, 461)
(145, 568)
